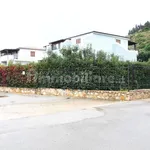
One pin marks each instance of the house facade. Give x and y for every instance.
(22, 55)
(109, 43)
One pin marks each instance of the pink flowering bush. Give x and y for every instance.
(13, 76)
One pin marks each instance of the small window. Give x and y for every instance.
(78, 41)
(118, 41)
(32, 54)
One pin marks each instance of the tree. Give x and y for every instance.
(137, 28)
(147, 24)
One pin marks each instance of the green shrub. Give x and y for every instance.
(147, 47)
(95, 71)
(143, 56)
(78, 68)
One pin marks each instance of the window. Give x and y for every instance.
(32, 54)
(118, 41)
(78, 41)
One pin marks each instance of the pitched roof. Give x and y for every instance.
(62, 40)
(32, 48)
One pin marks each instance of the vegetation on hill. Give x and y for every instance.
(141, 35)
(139, 28)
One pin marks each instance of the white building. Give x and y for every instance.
(22, 55)
(109, 43)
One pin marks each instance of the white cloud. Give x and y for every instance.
(37, 22)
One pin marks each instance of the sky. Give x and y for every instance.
(34, 23)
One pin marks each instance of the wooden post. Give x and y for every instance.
(134, 46)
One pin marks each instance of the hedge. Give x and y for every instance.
(97, 77)
(87, 77)
(78, 70)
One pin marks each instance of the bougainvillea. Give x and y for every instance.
(17, 76)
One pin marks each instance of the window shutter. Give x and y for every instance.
(32, 54)
(78, 41)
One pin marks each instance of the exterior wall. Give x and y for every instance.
(124, 54)
(92, 94)
(85, 40)
(24, 55)
(108, 44)
(105, 42)
(98, 41)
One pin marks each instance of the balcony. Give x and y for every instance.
(7, 55)
(7, 58)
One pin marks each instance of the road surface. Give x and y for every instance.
(120, 126)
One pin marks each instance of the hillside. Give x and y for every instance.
(142, 38)
(141, 35)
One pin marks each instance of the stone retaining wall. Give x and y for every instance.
(94, 94)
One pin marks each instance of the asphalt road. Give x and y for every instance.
(120, 126)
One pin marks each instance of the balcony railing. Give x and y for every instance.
(8, 57)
